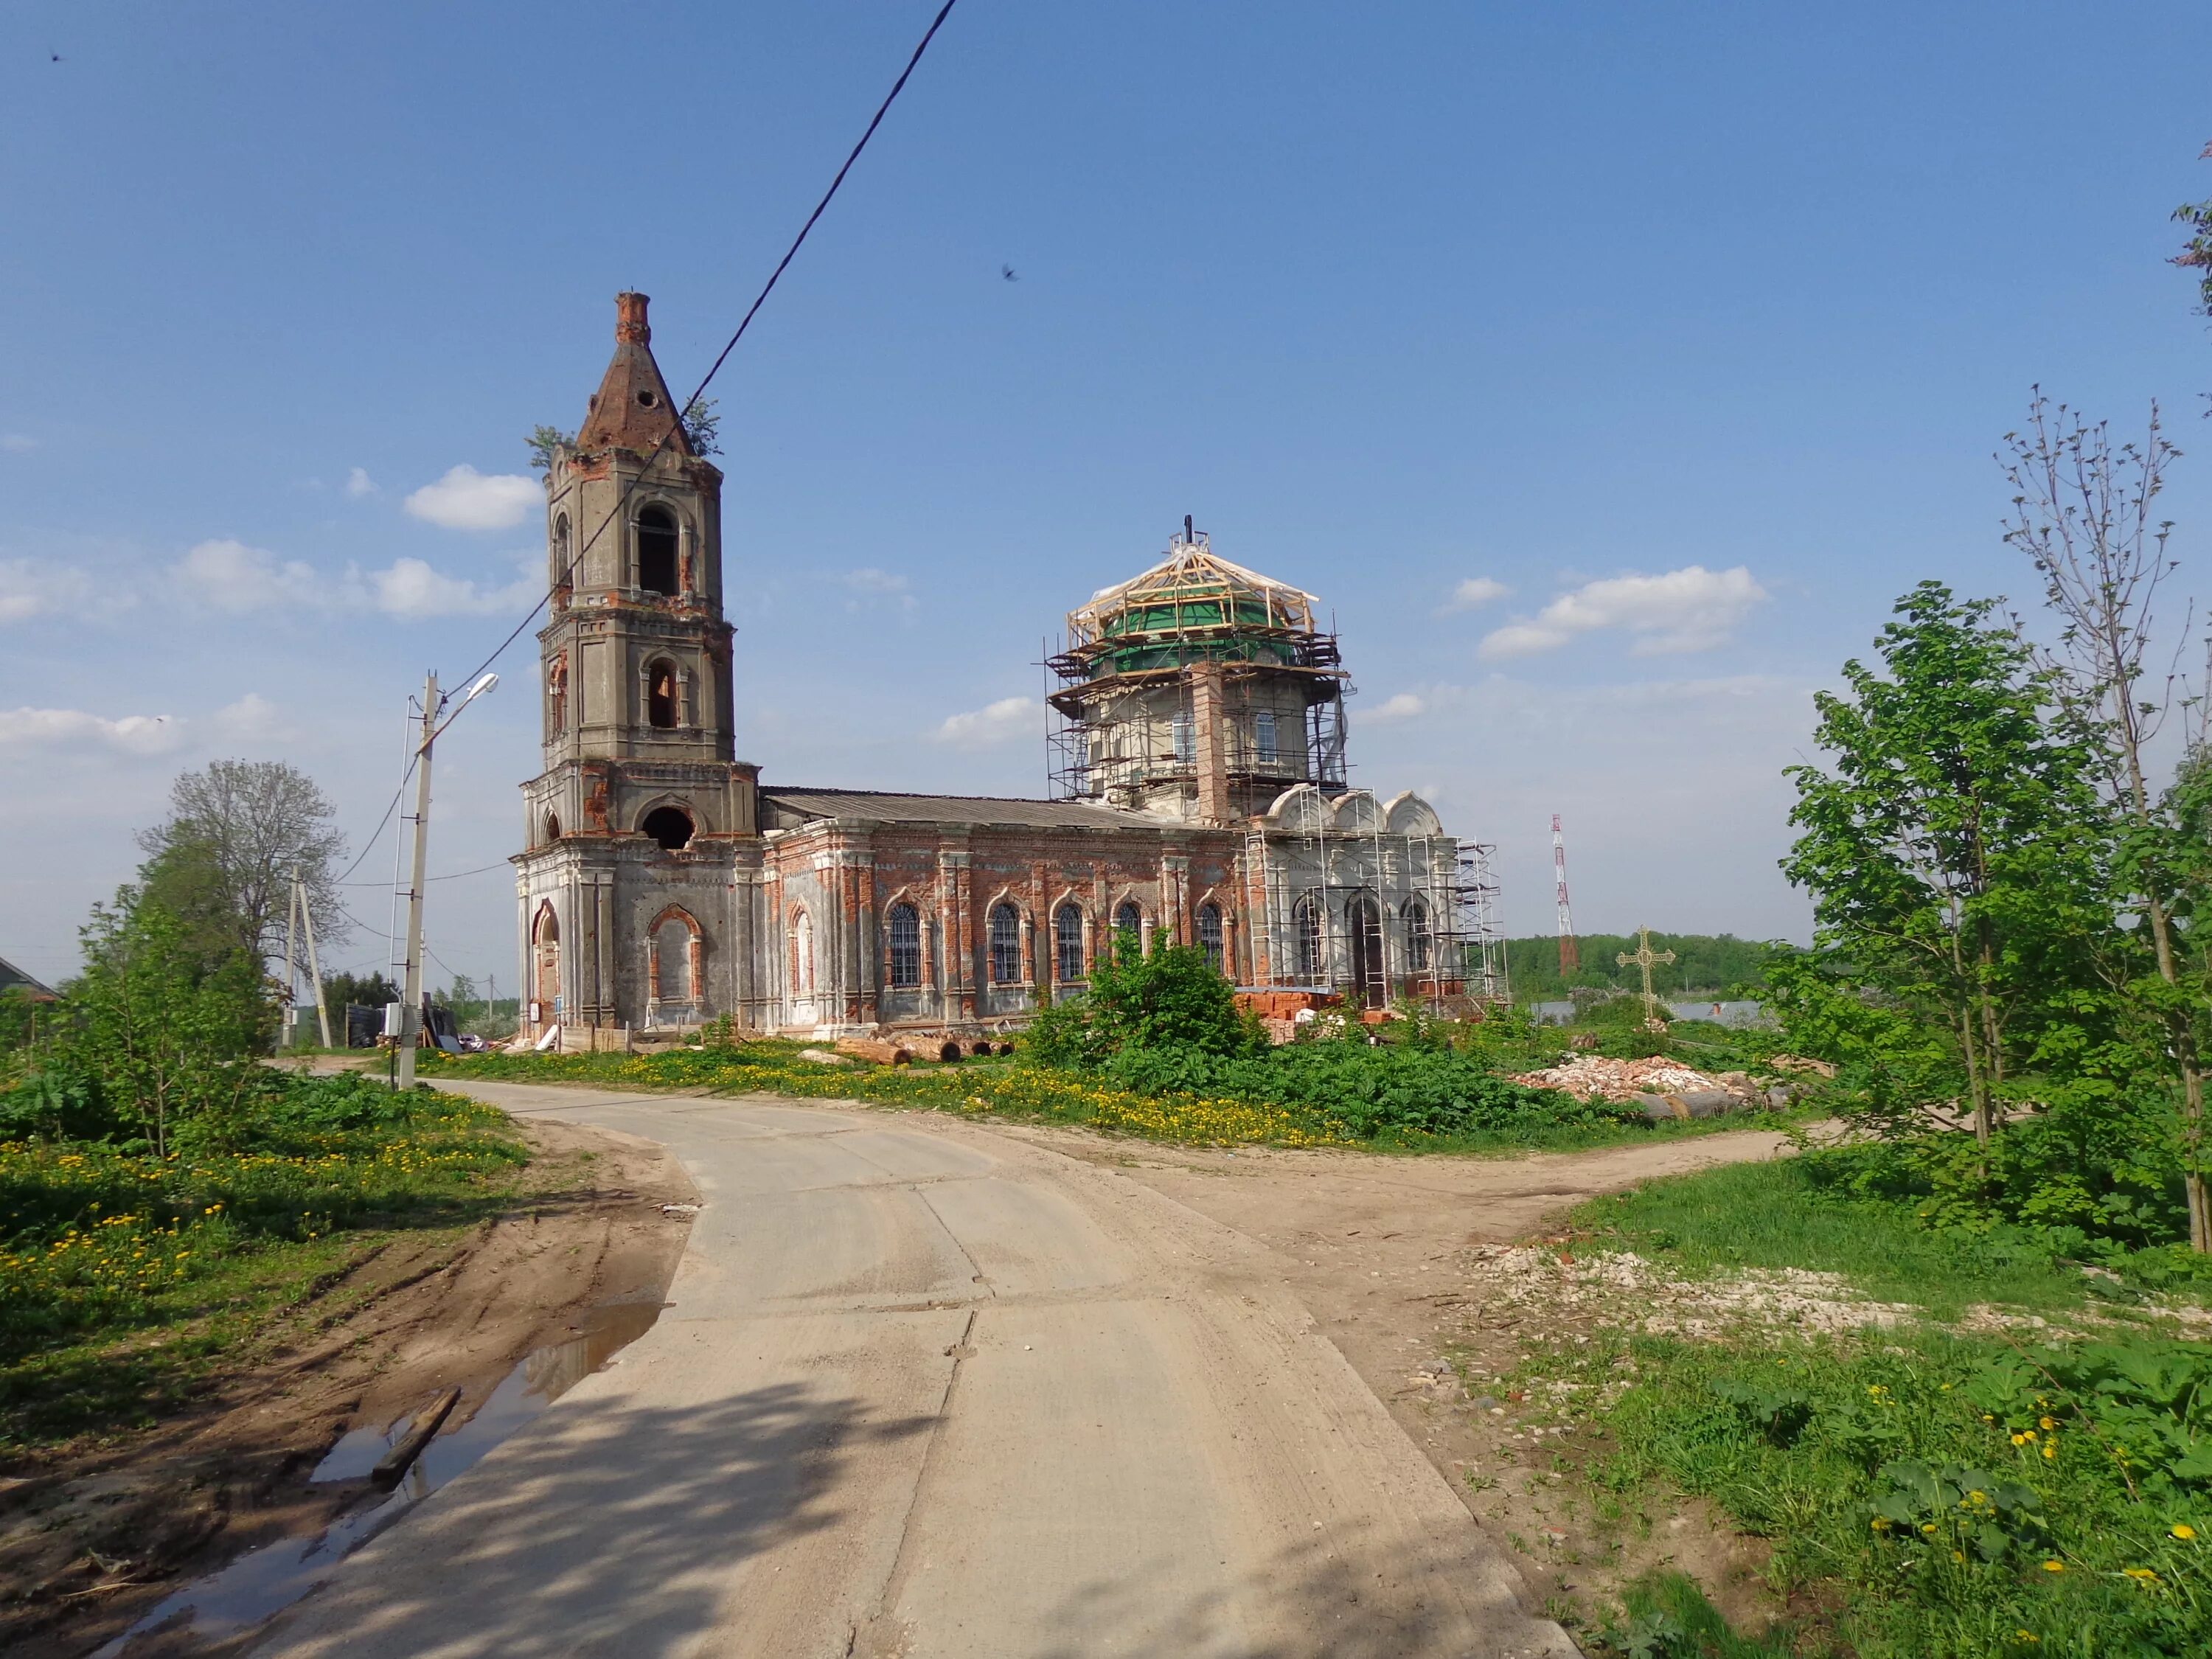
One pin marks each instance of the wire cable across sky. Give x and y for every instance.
(744, 323)
(689, 404)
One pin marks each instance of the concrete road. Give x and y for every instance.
(926, 1389)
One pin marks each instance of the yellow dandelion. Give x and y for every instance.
(2184, 1532)
(2054, 1566)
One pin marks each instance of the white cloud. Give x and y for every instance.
(465, 499)
(871, 586)
(1003, 721)
(1693, 609)
(56, 728)
(252, 717)
(359, 483)
(229, 575)
(1476, 590)
(17, 443)
(1403, 706)
(29, 588)
(412, 588)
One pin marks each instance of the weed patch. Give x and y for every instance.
(1303, 1095)
(121, 1271)
(1942, 1491)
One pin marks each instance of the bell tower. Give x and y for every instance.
(643, 812)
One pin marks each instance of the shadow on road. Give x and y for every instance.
(608, 1531)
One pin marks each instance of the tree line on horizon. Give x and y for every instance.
(1705, 965)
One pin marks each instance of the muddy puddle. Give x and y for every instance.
(232, 1602)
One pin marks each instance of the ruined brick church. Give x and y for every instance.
(1198, 790)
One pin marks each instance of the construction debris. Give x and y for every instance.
(1585, 1075)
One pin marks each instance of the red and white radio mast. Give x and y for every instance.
(1570, 958)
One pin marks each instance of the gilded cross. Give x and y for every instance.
(1645, 957)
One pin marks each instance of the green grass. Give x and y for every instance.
(126, 1278)
(1665, 1613)
(1959, 1495)
(1019, 1089)
(1784, 1214)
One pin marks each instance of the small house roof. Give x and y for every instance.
(12, 978)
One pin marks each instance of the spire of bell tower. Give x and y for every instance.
(632, 409)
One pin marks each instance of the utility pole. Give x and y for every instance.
(411, 1007)
(410, 997)
(315, 965)
(290, 1019)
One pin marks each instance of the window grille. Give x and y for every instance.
(1418, 937)
(1067, 942)
(1263, 736)
(1006, 945)
(1186, 746)
(906, 945)
(1305, 922)
(1209, 934)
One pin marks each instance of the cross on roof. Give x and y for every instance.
(1645, 957)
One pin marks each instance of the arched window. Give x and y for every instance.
(669, 825)
(656, 550)
(802, 956)
(1363, 924)
(661, 700)
(671, 961)
(1263, 736)
(546, 937)
(1067, 943)
(1305, 928)
(904, 930)
(1419, 946)
(556, 696)
(1129, 929)
(1209, 934)
(552, 826)
(563, 576)
(1005, 944)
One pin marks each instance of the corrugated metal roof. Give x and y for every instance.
(783, 809)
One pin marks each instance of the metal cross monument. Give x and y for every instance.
(1645, 957)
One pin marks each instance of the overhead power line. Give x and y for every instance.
(455, 875)
(699, 391)
(615, 513)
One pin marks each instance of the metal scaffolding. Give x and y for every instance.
(1124, 724)
(1482, 944)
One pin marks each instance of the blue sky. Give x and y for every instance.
(1674, 341)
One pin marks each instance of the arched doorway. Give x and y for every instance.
(1363, 921)
(545, 957)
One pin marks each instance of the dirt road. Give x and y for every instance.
(926, 1387)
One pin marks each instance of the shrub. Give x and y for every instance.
(1168, 998)
(1372, 1089)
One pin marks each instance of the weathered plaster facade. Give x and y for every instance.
(662, 885)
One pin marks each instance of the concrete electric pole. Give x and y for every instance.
(410, 1006)
(410, 996)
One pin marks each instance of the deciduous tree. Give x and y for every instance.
(1951, 848)
(2084, 512)
(222, 865)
